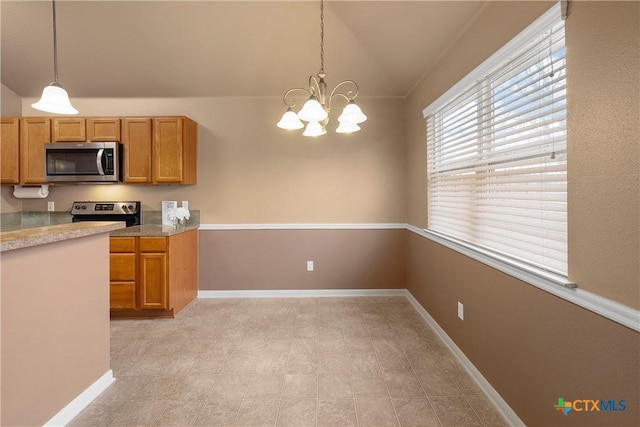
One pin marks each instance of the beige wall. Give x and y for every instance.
(8, 203)
(603, 79)
(531, 346)
(603, 109)
(10, 102)
(249, 171)
(277, 259)
(55, 326)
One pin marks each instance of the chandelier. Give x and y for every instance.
(54, 98)
(315, 110)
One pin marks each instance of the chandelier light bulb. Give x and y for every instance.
(314, 129)
(55, 100)
(312, 111)
(352, 113)
(290, 121)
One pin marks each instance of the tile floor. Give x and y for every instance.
(358, 361)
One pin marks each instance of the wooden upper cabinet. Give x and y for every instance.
(34, 132)
(174, 150)
(9, 150)
(136, 138)
(101, 129)
(69, 129)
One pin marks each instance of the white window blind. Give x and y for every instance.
(496, 149)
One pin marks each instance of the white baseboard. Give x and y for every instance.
(311, 293)
(505, 410)
(83, 400)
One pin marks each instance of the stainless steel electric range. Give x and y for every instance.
(127, 211)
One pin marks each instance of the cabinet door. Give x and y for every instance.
(103, 129)
(136, 138)
(167, 150)
(69, 129)
(34, 132)
(153, 281)
(9, 150)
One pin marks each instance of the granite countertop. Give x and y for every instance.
(19, 237)
(152, 230)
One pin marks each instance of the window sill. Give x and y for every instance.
(552, 283)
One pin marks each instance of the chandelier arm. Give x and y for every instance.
(291, 102)
(348, 97)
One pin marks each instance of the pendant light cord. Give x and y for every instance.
(321, 37)
(55, 45)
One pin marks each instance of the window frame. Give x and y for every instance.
(531, 273)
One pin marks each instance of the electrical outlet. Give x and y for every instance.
(51, 206)
(460, 310)
(309, 265)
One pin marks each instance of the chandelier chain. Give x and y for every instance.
(55, 45)
(321, 37)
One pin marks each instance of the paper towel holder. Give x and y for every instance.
(41, 192)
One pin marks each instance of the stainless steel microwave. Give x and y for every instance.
(83, 162)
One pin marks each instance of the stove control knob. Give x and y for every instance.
(124, 208)
(83, 207)
(130, 208)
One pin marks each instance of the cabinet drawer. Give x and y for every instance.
(122, 295)
(122, 244)
(122, 266)
(153, 244)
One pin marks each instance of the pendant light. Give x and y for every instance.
(316, 109)
(54, 98)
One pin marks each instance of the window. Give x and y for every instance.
(496, 150)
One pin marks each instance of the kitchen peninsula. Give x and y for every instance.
(55, 321)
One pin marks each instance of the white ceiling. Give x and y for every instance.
(224, 48)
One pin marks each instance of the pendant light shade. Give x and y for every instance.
(314, 129)
(290, 121)
(312, 111)
(347, 127)
(352, 114)
(55, 100)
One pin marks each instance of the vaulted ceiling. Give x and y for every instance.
(224, 48)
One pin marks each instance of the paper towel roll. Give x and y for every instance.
(20, 192)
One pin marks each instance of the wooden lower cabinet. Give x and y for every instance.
(153, 281)
(153, 276)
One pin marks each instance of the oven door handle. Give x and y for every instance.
(99, 161)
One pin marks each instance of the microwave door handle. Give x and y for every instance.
(99, 161)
